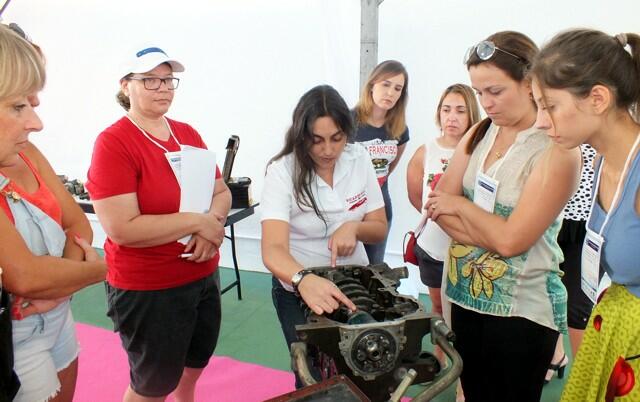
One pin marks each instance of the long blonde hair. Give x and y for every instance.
(395, 122)
(21, 65)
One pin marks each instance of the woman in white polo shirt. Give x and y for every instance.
(321, 201)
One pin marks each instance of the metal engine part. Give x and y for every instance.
(377, 345)
(75, 187)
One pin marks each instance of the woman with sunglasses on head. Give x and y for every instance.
(321, 201)
(162, 294)
(381, 128)
(501, 200)
(43, 260)
(587, 86)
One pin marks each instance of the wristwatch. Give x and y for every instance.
(297, 278)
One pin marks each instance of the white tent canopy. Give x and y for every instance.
(248, 62)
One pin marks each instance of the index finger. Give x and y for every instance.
(334, 253)
(334, 257)
(338, 295)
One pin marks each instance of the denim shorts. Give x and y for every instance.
(164, 331)
(43, 345)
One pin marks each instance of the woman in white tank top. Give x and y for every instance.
(457, 111)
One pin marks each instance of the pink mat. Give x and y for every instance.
(104, 373)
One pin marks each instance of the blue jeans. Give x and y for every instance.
(290, 314)
(376, 251)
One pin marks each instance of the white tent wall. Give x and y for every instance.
(248, 62)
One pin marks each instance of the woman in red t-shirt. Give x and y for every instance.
(162, 295)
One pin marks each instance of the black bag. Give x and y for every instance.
(240, 188)
(9, 383)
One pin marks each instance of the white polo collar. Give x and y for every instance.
(343, 166)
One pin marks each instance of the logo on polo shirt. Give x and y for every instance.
(356, 201)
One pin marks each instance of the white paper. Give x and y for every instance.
(197, 180)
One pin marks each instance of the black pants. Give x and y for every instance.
(9, 383)
(163, 331)
(504, 358)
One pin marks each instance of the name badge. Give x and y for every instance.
(175, 161)
(485, 192)
(591, 253)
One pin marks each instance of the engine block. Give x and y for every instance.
(379, 343)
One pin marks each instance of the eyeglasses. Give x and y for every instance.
(485, 50)
(153, 83)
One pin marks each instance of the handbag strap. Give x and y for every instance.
(421, 225)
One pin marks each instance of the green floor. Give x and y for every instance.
(250, 330)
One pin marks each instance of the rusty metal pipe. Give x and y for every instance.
(403, 386)
(299, 363)
(441, 335)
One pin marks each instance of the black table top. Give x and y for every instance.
(235, 215)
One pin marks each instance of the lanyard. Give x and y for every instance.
(499, 162)
(616, 195)
(151, 139)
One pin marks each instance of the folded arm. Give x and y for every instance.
(46, 277)
(74, 221)
(202, 249)
(41, 277)
(545, 193)
(126, 225)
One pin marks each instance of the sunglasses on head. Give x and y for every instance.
(485, 50)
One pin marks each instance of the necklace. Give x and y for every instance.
(498, 154)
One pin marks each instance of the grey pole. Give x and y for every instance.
(368, 37)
